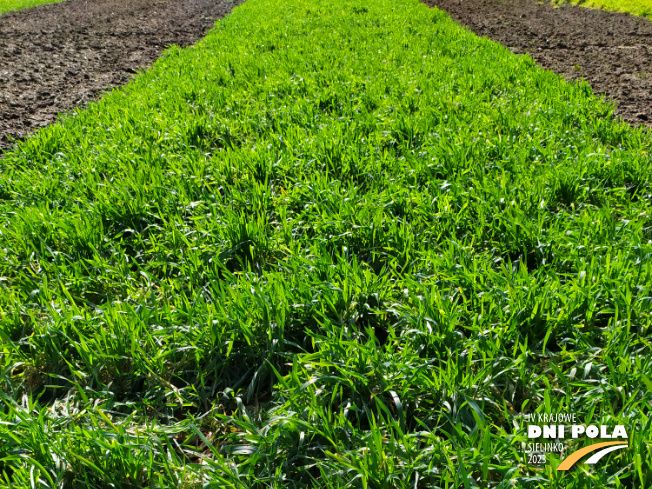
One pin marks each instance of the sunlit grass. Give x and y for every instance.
(9, 5)
(334, 245)
(642, 8)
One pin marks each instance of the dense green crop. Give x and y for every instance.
(8, 5)
(333, 245)
(635, 7)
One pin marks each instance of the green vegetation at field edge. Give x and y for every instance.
(332, 245)
(641, 8)
(9, 5)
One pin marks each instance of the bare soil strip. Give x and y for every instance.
(612, 51)
(60, 56)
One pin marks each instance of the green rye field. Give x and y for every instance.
(635, 7)
(335, 245)
(9, 5)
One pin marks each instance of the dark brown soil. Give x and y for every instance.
(611, 51)
(59, 56)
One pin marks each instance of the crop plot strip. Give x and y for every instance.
(11, 5)
(635, 7)
(612, 51)
(334, 244)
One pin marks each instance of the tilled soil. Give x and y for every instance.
(611, 51)
(59, 56)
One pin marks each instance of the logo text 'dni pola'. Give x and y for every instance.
(560, 432)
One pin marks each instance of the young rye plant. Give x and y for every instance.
(332, 245)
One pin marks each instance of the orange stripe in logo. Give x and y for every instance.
(575, 456)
